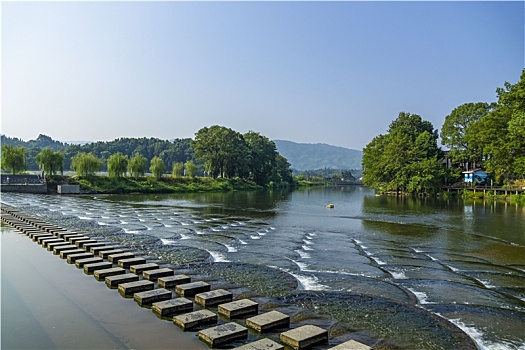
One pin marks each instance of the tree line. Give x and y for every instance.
(488, 135)
(216, 151)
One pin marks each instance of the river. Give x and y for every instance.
(374, 263)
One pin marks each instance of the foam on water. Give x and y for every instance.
(167, 241)
(255, 237)
(431, 257)
(218, 257)
(307, 241)
(185, 236)
(309, 282)
(305, 247)
(487, 284)
(421, 296)
(231, 249)
(398, 275)
(302, 254)
(242, 242)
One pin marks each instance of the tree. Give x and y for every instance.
(117, 165)
(137, 165)
(177, 169)
(13, 158)
(190, 169)
(85, 164)
(157, 167)
(50, 161)
(262, 157)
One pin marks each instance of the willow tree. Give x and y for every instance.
(137, 165)
(14, 158)
(117, 165)
(50, 161)
(85, 164)
(157, 167)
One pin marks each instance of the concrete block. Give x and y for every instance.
(44, 240)
(97, 266)
(173, 281)
(69, 235)
(87, 247)
(131, 288)
(114, 281)
(98, 249)
(305, 336)
(351, 345)
(214, 297)
(81, 243)
(114, 258)
(74, 240)
(153, 275)
(81, 262)
(68, 189)
(65, 253)
(61, 248)
(52, 245)
(35, 236)
(126, 263)
(101, 275)
(195, 319)
(262, 344)
(71, 259)
(104, 254)
(151, 296)
(172, 307)
(239, 308)
(140, 268)
(223, 333)
(190, 289)
(268, 321)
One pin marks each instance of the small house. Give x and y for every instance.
(476, 176)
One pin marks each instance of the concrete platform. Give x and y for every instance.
(153, 275)
(114, 258)
(239, 308)
(214, 297)
(268, 321)
(102, 274)
(71, 259)
(171, 307)
(61, 248)
(34, 236)
(263, 344)
(305, 336)
(74, 240)
(131, 288)
(224, 333)
(81, 243)
(351, 345)
(81, 262)
(126, 263)
(88, 246)
(65, 253)
(195, 319)
(97, 266)
(140, 268)
(66, 233)
(114, 281)
(173, 281)
(190, 289)
(151, 296)
(98, 249)
(104, 254)
(52, 245)
(44, 240)
(69, 235)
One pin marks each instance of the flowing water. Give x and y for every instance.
(389, 270)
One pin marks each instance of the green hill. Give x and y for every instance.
(307, 156)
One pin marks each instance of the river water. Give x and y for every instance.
(397, 272)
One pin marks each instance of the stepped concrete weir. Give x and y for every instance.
(214, 297)
(262, 344)
(223, 333)
(151, 296)
(304, 337)
(268, 321)
(171, 307)
(195, 319)
(131, 288)
(173, 281)
(239, 308)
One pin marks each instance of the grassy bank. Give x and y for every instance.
(148, 184)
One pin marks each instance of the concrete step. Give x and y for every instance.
(34, 236)
(45, 240)
(81, 262)
(195, 319)
(268, 321)
(173, 281)
(82, 243)
(66, 234)
(87, 247)
(214, 297)
(104, 254)
(64, 254)
(61, 248)
(171, 307)
(222, 334)
(190, 289)
(140, 268)
(89, 268)
(305, 336)
(262, 344)
(74, 257)
(126, 263)
(114, 281)
(351, 345)
(100, 275)
(52, 245)
(98, 249)
(114, 258)
(131, 288)
(153, 275)
(239, 308)
(74, 240)
(151, 296)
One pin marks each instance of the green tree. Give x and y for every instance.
(117, 165)
(262, 157)
(85, 164)
(177, 170)
(13, 158)
(137, 165)
(157, 167)
(50, 161)
(190, 169)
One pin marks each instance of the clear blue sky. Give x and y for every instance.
(336, 72)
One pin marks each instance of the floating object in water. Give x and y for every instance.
(330, 206)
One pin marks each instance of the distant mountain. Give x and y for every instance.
(307, 156)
